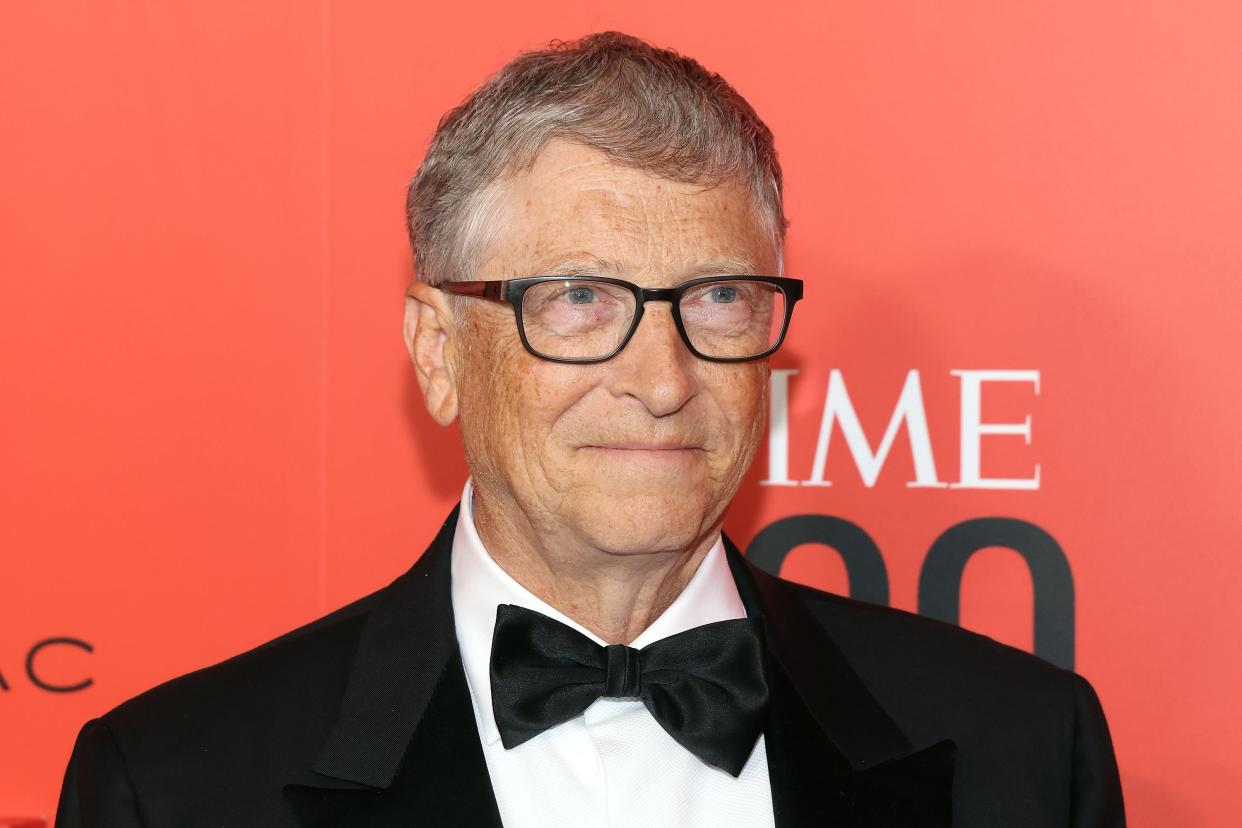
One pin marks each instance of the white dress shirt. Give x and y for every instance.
(613, 766)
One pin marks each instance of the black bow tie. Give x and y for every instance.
(705, 686)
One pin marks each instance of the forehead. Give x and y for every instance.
(575, 206)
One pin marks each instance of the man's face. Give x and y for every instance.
(642, 452)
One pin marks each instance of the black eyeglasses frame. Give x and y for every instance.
(511, 291)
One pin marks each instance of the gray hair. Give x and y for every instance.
(644, 108)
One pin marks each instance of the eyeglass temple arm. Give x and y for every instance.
(491, 289)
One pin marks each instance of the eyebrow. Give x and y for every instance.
(588, 264)
(728, 266)
(582, 264)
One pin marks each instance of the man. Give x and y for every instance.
(598, 237)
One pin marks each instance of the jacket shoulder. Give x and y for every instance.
(891, 647)
(288, 683)
(1032, 743)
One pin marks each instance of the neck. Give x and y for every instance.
(616, 595)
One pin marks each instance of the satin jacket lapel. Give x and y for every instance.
(835, 757)
(404, 749)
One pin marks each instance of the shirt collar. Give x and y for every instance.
(479, 586)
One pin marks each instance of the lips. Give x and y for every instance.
(647, 447)
(641, 446)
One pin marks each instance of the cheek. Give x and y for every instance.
(489, 385)
(741, 398)
(523, 404)
(741, 393)
(540, 396)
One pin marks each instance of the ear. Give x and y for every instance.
(429, 330)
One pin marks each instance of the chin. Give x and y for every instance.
(640, 522)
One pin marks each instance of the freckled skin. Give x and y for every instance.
(609, 537)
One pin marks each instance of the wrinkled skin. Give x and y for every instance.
(608, 535)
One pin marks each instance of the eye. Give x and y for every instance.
(723, 294)
(580, 295)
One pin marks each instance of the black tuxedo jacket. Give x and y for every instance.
(879, 718)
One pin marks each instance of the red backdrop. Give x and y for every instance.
(210, 432)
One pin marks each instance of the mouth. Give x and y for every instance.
(639, 445)
(654, 463)
(652, 456)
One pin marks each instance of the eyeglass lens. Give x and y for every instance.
(584, 319)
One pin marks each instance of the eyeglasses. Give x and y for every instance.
(585, 319)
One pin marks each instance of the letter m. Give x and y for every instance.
(909, 409)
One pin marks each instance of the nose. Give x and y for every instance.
(655, 367)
